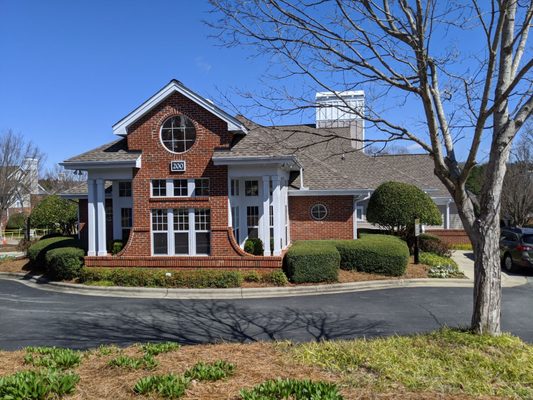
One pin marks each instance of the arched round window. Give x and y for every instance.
(319, 212)
(178, 134)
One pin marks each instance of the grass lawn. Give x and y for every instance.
(447, 364)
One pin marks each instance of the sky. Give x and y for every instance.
(70, 69)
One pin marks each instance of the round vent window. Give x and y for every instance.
(178, 134)
(319, 212)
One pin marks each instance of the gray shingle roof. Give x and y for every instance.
(114, 151)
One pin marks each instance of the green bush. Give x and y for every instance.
(210, 372)
(292, 389)
(32, 385)
(376, 254)
(312, 261)
(149, 277)
(37, 251)
(433, 244)
(252, 276)
(16, 221)
(277, 278)
(117, 247)
(55, 213)
(254, 246)
(64, 263)
(52, 357)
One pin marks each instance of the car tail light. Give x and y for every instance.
(521, 247)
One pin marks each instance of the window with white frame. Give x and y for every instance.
(252, 220)
(360, 210)
(178, 134)
(201, 187)
(271, 223)
(319, 212)
(160, 231)
(189, 232)
(126, 222)
(234, 191)
(159, 188)
(251, 188)
(235, 222)
(180, 188)
(181, 231)
(124, 189)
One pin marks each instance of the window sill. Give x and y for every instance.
(184, 199)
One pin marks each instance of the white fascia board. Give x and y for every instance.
(253, 160)
(121, 127)
(330, 192)
(442, 200)
(102, 164)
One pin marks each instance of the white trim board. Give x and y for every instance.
(121, 127)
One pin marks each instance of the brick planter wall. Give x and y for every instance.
(451, 236)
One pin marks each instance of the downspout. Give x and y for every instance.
(357, 199)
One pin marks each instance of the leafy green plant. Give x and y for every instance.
(252, 276)
(52, 357)
(277, 278)
(16, 221)
(146, 362)
(117, 247)
(254, 246)
(55, 213)
(210, 372)
(64, 263)
(106, 350)
(32, 385)
(168, 386)
(37, 251)
(148, 277)
(461, 246)
(292, 389)
(153, 349)
(312, 261)
(440, 267)
(433, 244)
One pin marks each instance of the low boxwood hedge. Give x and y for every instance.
(64, 263)
(149, 277)
(376, 254)
(37, 251)
(312, 261)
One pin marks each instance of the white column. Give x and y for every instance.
(265, 216)
(354, 217)
(100, 212)
(284, 203)
(91, 217)
(117, 223)
(276, 203)
(447, 219)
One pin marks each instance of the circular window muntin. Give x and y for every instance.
(316, 207)
(184, 119)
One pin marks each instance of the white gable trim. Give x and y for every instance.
(121, 127)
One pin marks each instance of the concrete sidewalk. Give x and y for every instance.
(465, 261)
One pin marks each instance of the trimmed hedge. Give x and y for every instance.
(433, 244)
(37, 251)
(254, 246)
(312, 261)
(64, 263)
(376, 254)
(149, 277)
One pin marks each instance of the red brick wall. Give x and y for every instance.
(451, 236)
(211, 133)
(338, 224)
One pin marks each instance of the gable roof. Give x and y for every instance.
(115, 152)
(121, 127)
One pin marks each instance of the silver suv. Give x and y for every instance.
(516, 248)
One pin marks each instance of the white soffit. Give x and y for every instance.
(121, 127)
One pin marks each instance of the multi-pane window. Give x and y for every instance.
(251, 188)
(181, 231)
(188, 232)
(126, 222)
(252, 220)
(234, 187)
(178, 134)
(360, 213)
(180, 188)
(159, 187)
(160, 231)
(271, 222)
(319, 212)
(124, 189)
(235, 222)
(201, 187)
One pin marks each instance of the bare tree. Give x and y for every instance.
(58, 179)
(461, 63)
(18, 170)
(517, 194)
(377, 150)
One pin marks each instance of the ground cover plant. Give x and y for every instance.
(147, 362)
(292, 389)
(154, 349)
(52, 357)
(211, 371)
(33, 385)
(440, 267)
(168, 386)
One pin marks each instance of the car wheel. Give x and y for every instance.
(508, 263)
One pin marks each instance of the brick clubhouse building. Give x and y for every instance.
(185, 184)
